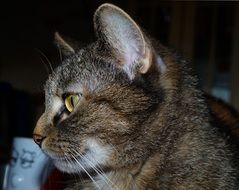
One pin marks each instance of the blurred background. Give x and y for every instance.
(205, 33)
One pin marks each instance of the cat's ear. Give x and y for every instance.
(123, 36)
(64, 46)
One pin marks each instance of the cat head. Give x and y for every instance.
(99, 101)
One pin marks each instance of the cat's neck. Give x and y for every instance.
(137, 176)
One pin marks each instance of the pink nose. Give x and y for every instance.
(38, 139)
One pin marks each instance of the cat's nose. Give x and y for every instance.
(38, 139)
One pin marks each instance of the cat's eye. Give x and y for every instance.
(71, 101)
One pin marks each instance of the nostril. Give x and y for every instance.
(38, 139)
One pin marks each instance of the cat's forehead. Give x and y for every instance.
(83, 69)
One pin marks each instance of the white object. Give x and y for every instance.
(28, 167)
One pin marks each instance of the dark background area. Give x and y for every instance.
(205, 33)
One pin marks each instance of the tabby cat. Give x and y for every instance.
(126, 111)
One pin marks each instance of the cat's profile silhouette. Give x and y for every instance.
(127, 112)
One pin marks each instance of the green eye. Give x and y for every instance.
(71, 102)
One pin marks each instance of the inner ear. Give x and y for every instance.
(124, 38)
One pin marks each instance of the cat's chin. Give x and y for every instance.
(95, 156)
(74, 167)
(67, 166)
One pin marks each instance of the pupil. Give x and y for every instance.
(72, 102)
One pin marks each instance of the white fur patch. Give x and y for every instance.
(95, 155)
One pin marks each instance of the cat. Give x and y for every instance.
(128, 113)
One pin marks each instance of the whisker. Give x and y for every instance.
(48, 61)
(69, 161)
(45, 65)
(84, 170)
(96, 168)
(100, 172)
